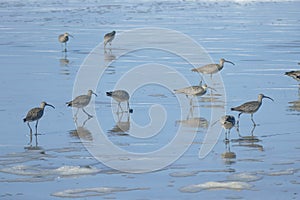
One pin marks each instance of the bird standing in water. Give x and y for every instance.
(81, 102)
(120, 96)
(227, 122)
(108, 38)
(294, 74)
(34, 115)
(196, 90)
(64, 38)
(212, 68)
(250, 107)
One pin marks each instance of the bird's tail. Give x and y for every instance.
(109, 94)
(69, 103)
(24, 120)
(194, 70)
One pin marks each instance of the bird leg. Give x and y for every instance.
(238, 121)
(253, 120)
(36, 125)
(36, 141)
(129, 110)
(191, 102)
(226, 137)
(75, 116)
(238, 131)
(119, 106)
(252, 131)
(65, 50)
(90, 116)
(30, 133)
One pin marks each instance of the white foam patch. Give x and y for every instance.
(96, 191)
(75, 170)
(24, 170)
(233, 185)
(282, 172)
(245, 177)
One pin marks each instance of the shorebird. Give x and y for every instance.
(196, 90)
(64, 38)
(34, 115)
(212, 68)
(81, 102)
(108, 38)
(227, 122)
(294, 74)
(120, 96)
(250, 107)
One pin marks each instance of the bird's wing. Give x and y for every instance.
(187, 90)
(120, 94)
(34, 114)
(247, 107)
(208, 69)
(80, 100)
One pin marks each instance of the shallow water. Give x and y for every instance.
(261, 38)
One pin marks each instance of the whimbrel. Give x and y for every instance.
(108, 38)
(120, 96)
(81, 102)
(196, 90)
(64, 38)
(212, 68)
(227, 122)
(294, 74)
(34, 115)
(250, 107)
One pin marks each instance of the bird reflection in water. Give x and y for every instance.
(228, 155)
(33, 147)
(193, 122)
(294, 106)
(249, 141)
(81, 132)
(122, 125)
(108, 58)
(108, 55)
(64, 63)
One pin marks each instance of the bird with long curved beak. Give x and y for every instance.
(64, 38)
(34, 115)
(212, 68)
(250, 107)
(80, 102)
